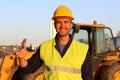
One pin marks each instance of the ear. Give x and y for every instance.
(54, 25)
(71, 25)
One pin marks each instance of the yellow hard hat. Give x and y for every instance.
(62, 11)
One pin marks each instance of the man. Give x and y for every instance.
(62, 56)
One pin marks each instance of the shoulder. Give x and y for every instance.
(80, 43)
(48, 41)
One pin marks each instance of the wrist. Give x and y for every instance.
(21, 59)
(22, 62)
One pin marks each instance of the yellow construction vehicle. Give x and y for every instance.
(104, 53)
(102, 48)
(9, 69)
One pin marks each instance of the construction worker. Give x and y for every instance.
(62, 56)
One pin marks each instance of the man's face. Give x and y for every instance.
(63, 26)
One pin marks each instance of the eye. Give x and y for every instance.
(66, 22)
(57, 22)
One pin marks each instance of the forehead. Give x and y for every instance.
(63, 18)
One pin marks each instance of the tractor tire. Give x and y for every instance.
(108, 71)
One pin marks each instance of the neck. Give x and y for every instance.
(64, 40)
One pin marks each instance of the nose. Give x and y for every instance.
(62, 24)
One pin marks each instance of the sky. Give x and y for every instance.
(30, 19)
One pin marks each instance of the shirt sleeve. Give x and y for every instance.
(87, 70)
(34, 63)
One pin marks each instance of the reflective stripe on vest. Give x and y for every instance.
(64, 69)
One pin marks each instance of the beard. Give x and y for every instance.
(62, 35)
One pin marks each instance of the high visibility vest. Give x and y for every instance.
(67, 67)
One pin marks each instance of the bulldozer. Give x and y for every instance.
(102, 49)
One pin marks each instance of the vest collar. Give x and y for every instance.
(66, 46)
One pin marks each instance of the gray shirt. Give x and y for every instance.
(61, 47)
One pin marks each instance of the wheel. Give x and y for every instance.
(110, 70)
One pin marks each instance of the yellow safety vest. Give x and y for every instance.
(67, 67)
